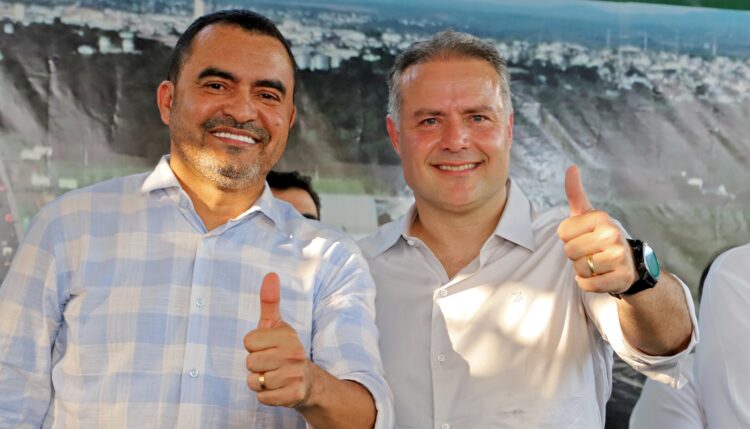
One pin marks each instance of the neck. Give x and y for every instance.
(213, 205)
(440, 228)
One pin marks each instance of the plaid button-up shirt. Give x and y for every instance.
(121, 310)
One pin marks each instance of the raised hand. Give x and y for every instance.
(602, 258)
(279, 370)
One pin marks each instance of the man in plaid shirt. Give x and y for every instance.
(190, 297)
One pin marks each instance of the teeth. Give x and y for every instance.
(244, 139)
(463, 167)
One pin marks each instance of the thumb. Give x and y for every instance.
(577, 199)
(270, 297)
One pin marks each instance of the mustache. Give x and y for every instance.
(229, 122)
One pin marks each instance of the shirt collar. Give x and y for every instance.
(514, 224)
(161, 178)
(164, 178)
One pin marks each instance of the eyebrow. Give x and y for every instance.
(428, 112)
(469, 111)
(214, 72)
(271, 83)
(223, 74)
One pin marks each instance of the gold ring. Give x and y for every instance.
(590, 262)
(262, 381)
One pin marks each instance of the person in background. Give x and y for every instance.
(492, 313)
(715, 395)
(296, 189)
(189, 296)
(722, 362)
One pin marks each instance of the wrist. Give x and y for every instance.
(311, 396)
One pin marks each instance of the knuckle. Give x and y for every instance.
(601, 217)
(568, 250)
(618, 254)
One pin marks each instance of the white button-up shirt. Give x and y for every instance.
(722, 361)
(510, 341)
(664, 407)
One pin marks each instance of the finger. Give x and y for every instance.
(577, 199)
(264, 360)
(270, 381)
(602, 238)
(270, 297)
(577, 226)
(599, 261)
(615, 282)
(288, 396)
(264, 339)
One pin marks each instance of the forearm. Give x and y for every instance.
(657, 321)
(335, 403)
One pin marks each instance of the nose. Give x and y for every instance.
(241, 107)
(456, 136)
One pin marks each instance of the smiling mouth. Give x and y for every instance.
(236, 137)
(460, 167)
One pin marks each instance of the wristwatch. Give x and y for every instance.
(647, 266)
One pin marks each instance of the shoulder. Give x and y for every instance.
(544, 225)
(731, 269)
(97, 197)
(105, 196)
(736, 260)
(314, 235)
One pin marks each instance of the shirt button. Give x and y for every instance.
(445, 426)
(193, 373)
(200, 303)
(443, 292)
(440, 357)
(410, 242)
(291, 236)
(183, 203)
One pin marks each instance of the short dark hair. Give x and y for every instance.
(293, 179)
(251, 21)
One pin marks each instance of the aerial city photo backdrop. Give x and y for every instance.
(651, 101)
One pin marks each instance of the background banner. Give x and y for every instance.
(651, 101)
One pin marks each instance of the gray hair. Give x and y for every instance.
(446, 45)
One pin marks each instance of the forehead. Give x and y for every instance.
(453, 71)
(453, 83)
(239, 50)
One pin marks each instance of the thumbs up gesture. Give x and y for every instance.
(602, 258)
(279, 370)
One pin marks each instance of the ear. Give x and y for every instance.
(293, 117)
(510, 129)
(393, 133)
(164, 99)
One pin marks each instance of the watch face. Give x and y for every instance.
(649, 259)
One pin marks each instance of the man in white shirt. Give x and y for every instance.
(663, 407)
(722, 362)
(492, 314)
(716, 395)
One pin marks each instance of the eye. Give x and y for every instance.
(216, 86)
(478, 118)
(270, 96)
(429, 121)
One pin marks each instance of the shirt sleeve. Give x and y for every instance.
(723, 358)
(661, 406)
(344, 334)
(602, 310)
(30, 316)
